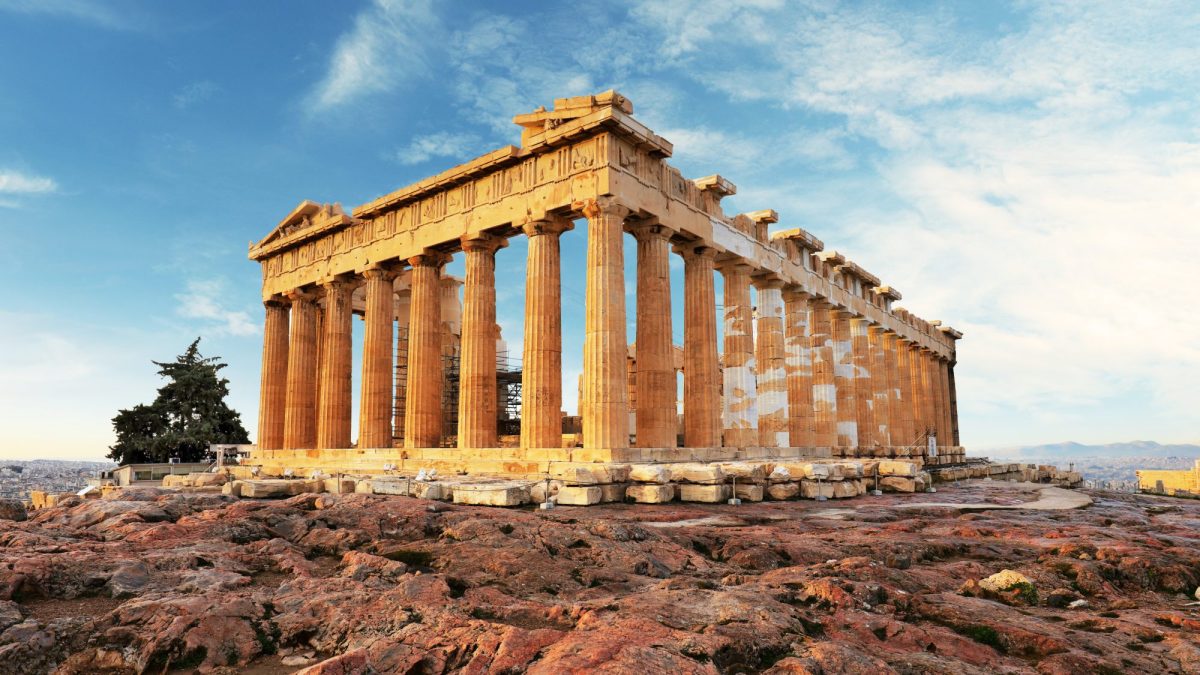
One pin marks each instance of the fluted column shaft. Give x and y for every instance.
(864, 382)
(541, 377)
(701, 383)
(423, 409)
(770, 360)
(926, 400)
(798, 367)
(881, 388)
(333, 408)
(740, 414)
(953, 404)
(272, 396)
(824, 364)
(844, 377)
(605, 401)
(300, 414)
(920, 423)
(402, 309)
(375, 402)
(947, 429)
(477, 417)
(655, 425)
(898, 404)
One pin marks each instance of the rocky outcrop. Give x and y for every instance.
(356, 583)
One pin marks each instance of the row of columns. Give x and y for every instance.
(803, 373)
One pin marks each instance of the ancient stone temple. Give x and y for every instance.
(817, 360)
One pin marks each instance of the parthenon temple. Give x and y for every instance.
(815, 358)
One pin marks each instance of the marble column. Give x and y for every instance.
(655, 425)
(333, 407)
(844, 377)
(927, 399)
(881, 387)
(541, 378)
(402, 309)
(477, 418)
(824, 365)
(300, 414)
(423, 409)
(740, 415)
(864, 382)
(917, 405)
(375, 401)
(605, 402)
(701, 383)
(770, 358)
(272, 396)
(899, 405)
(798, 368)
(938, 364)
(953, 404)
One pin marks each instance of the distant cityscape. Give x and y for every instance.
(19, 477)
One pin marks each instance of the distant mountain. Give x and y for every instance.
(1071, 450)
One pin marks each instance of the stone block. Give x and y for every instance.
(649, 473)
(363, 487)
(710, 494)
(392, 486)
(232, 488)
(751, 472)
(811, 489)
(650, 493)
(782, 491)
(613, 492)
(702, 474)
(793, 471)
(897, 484)
(579, 495)
(542, 490)
(898, 468)
(748, 492)
(851, 469)
(491, 494)
(268, 488)
(845, 489)
(340, 486)
(584, 473)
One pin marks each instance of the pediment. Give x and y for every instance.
(308, 215)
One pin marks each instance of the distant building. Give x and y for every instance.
(1180, 483)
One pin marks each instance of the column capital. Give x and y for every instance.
(378, 271)
(339, 282)
(301, 295)
(734, 265)
(602, 206)
(278, 300)
(694, 249)
(547, 224)
(649, 228)
(794, 293)
(429, 258)
(767, 281)
(483, 241)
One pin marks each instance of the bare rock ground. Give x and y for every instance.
(168, 582)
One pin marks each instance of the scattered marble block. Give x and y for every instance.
(579, 495)
(897, 484)
(851, 469)
(651, 493)
(268, 488)
(232, 488)
(340, 486)
(709, 494)
(898, 468)
(844, 489)
(748, 492)
(583, 473)
(745, 471)
(782, 491)
(613, 492)
(811, 489)
(495, 494)
(649, 473)
(792, 471)
(703, 474)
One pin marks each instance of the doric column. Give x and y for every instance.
(375, 403)
(272, 395)
(701, 383)
(770, 358)
(928, 398)
(947, 412)
(798, 366)
(402, 310)
(898, 404)
(541, 377)
(423, 409)
(477, 417)
(916, 394)
(300, 414)
(605, 403)
(864, 382)
(844, 377)
(655, 377)
(740, 414)
(881, 387)
(942, 408)
(824, 388)
(953, 404)
(333, 407)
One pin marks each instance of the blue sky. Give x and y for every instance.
(1028, 173)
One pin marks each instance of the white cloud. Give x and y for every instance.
(89, 11)
(193, 93)
(203, 300)
(441, 144)
(16, 182)
(386, 47)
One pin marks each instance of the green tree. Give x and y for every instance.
(188, 414)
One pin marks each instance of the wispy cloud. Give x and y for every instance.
(203, 300)
(386, 47)
(193, 93)
(441, 144)
(15, 182)
(90, 11)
